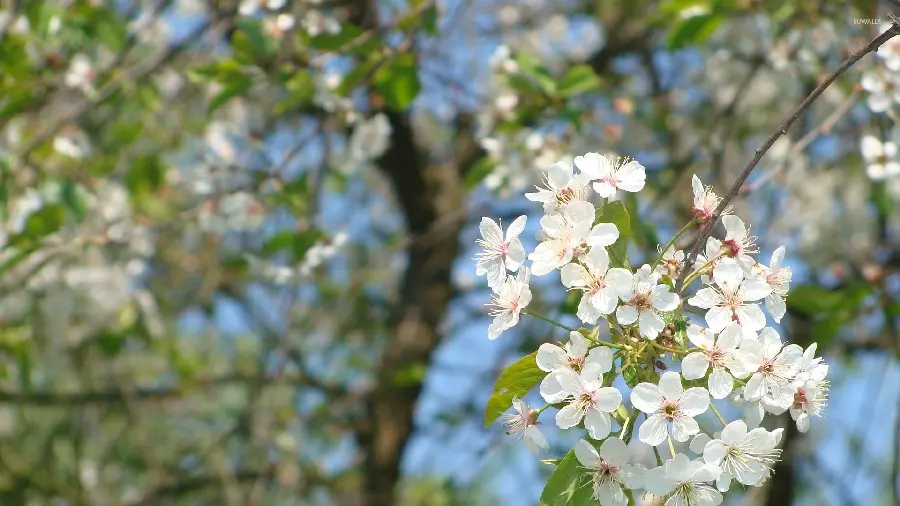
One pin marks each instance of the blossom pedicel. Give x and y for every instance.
(737, 358)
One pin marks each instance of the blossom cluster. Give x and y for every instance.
(729, 354)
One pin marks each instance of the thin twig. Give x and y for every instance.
(872, 46)
(806, 140)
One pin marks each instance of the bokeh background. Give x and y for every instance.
(236, 237)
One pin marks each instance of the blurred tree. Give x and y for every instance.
(235, 234)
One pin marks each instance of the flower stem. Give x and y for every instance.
(671, 445)
(666, 348)
(699, 272)
(548, 320)
(718, 415)
(672, 241)
(658, 458)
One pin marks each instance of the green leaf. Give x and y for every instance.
(335, 41)
(398, 82)
(569, 485)
(479, 170)
(516, 380)
(532, 68)
(40, 223)
(145, 175)
(235, 86)
(250, 43)
(298, 243)
(694, 30)
(356, 77)
(579, 79)
(616, 213)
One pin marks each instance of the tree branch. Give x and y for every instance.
(872, 46)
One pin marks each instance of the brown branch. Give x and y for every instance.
(872, 46)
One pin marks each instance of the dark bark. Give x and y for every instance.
(780, 491)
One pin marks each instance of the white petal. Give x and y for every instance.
(587, 311)
(573, 275)
(870, 147)
(578, 345)
(751, 317)
(597, 424)
(604, 189)
(705, 298)
(602, 357)
(694, 401)
(694, 365)
(646, 397)
(536, 438)
(683, 427)
(698, 443)
(631, 176)
(608, 399)
(627, 315)
(615, 451)
(515, 255)
(605, 300)
(718, 318)
(653, 430)
(754, 289)
(734, 432)
(650, 324)
(551, 357)
(697, 187)
(586, 454)
(670, 386)
(515, 228)
(603, 234)
(490, 231)
(664, 299)
(728, 274)
(720, 384)
(569, 416)
(776, 306)
(700, 337)
(551, 390)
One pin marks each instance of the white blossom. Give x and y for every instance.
(810, 366)
(523, 423)
(514, 295)
(880, 157)
(566, 234)
(684, 482)
(586, 398)
(643, 299)
(738, 243)
(597, 281)
(773, 366)
(81, 74)
(672, 262)
(705, 201)
(779, 280)
(810, 399)
(575, 357)
(560, 188)
(747, 456)
(733, 300)
(610, 470)
(669, 407)
(883, 90)
(612, 174)
(501, 253)
(718, 353)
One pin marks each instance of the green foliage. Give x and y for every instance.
(516, 380)
(827, 310)
(398, 82)
(479, 170)
(293, 242)
(577, 80)
(569, 485)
